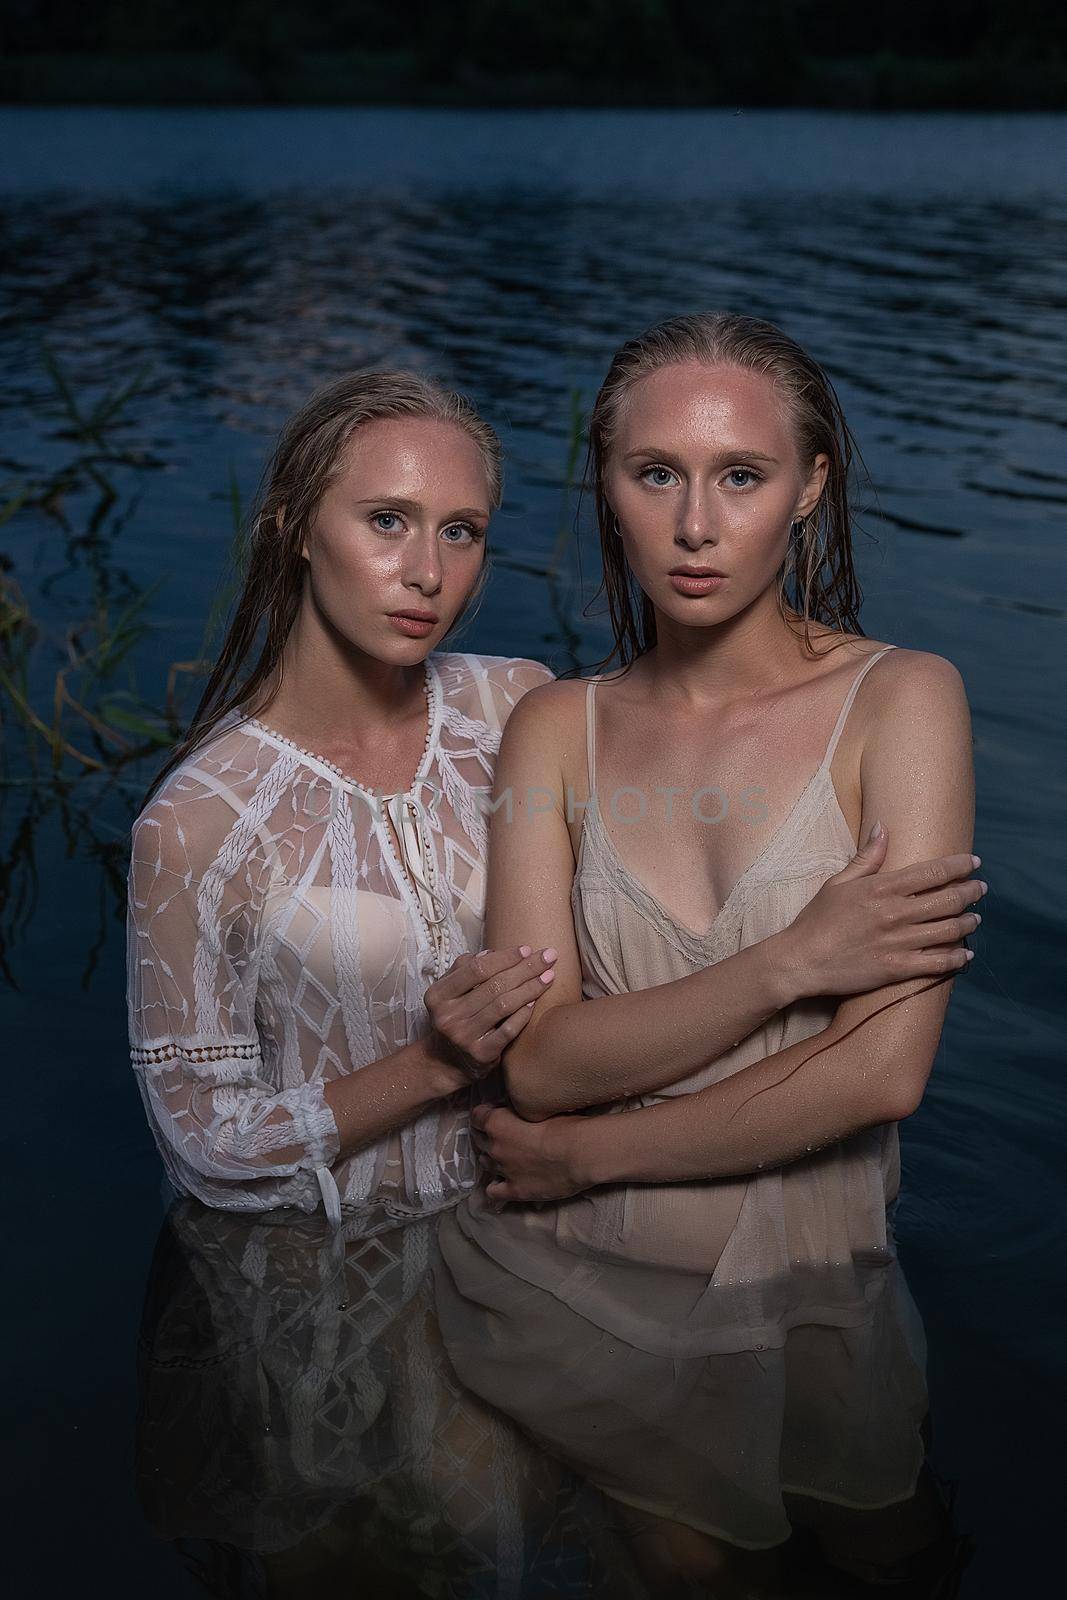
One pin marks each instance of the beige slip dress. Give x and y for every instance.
(700, 1349)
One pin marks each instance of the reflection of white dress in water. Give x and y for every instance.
(700, 1348)
(296, 1415)
(276, 942)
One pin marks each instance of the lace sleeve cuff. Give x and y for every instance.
(214, 1110)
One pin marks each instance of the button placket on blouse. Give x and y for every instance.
(410, 823)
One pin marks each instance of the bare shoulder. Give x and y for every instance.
(911, 703)
(912, 678)
(555, 704)
(546, 732)
(900, 670)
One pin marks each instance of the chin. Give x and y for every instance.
(406, 649)
(708, 608)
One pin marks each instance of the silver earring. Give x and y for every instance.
(615, 525)
(799, 527)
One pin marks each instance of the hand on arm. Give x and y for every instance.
(869, 1066)
(192, 937)
(577, 1053)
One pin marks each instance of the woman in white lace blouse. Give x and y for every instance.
(306, 1018)
(286, 919)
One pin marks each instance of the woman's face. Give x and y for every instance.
(399, 532)
(704, 474)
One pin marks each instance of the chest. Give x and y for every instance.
(693, 821)
(370, 892)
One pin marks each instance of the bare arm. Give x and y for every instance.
(579, 1052)
(869, 1066)
(389, 1093)
(481, 1003)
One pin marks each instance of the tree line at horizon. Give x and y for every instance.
(766, 51)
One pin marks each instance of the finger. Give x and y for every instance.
(486, 1148)
(933, 963)
(935, 873)
(534, 964)
(495, 1040)
(481, 1114)
(503, 1005)
(472, 968)
(498, 1191)
(491, 1168)
(949, 931)
(870, 855)
(482, 991)
(946, 902)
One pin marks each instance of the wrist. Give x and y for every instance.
(443, 1077)
(586, 1149)
(787, 969)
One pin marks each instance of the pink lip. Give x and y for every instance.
(696, 583)
(416, 626)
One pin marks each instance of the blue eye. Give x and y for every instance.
(743, 472)
(662, 478)
(459, 527)
(385, 516)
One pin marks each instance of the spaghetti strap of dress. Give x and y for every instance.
(590, 737)
(847, 707)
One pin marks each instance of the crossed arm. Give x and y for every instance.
(869, 1066)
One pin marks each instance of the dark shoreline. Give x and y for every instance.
(883, 82)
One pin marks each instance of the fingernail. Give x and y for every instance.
(976, 860)
(969, 954)
(977, 918)
(876, 832)
(985, 886)
(524, 949)
(546, 977)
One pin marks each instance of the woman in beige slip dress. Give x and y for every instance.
(715, 1329)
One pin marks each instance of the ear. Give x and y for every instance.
(814, 487)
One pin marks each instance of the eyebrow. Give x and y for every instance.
(415, 505)
(723, 455)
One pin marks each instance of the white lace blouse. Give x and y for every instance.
(276, 941)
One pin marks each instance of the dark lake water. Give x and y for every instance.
(246, 256)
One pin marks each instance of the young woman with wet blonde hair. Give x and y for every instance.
(708, 1321)
(307, 1011)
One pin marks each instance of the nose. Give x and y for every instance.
(422, 568)
(696, 524)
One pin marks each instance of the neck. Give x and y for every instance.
(748, 655)
(328, 687)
